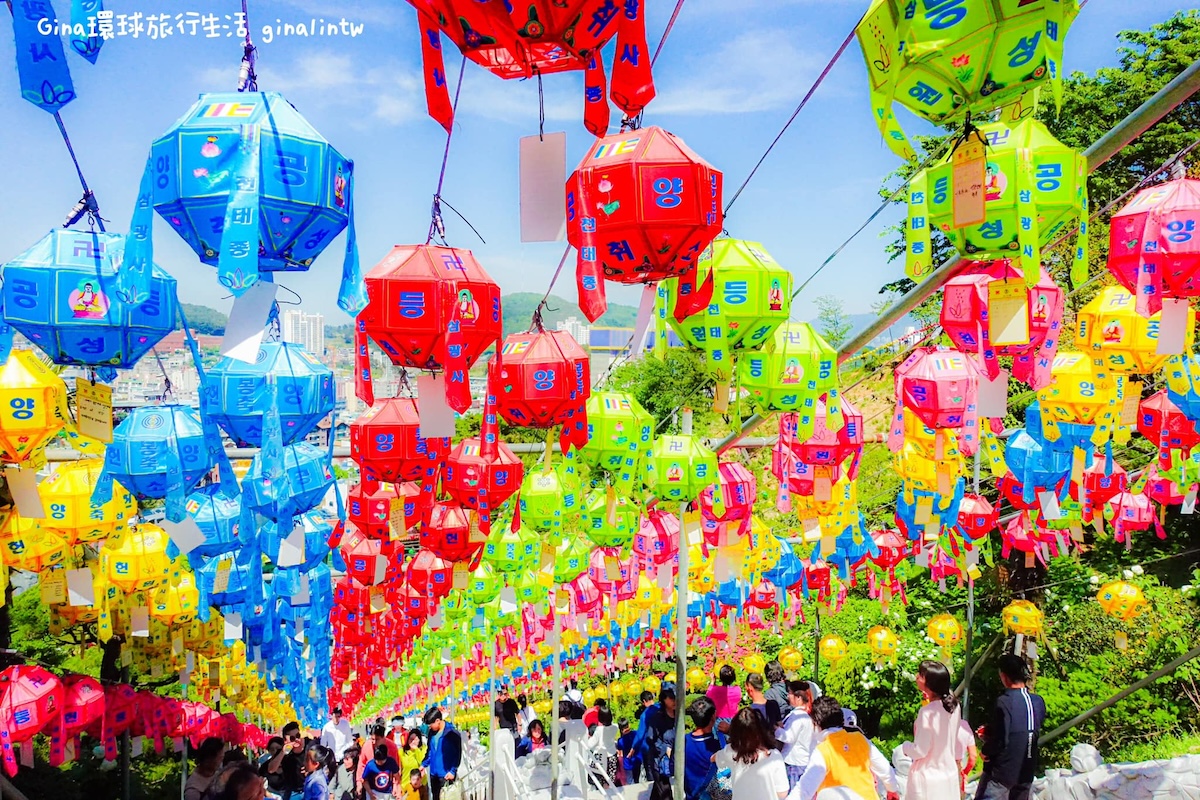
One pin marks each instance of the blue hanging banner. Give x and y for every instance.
(6, 336)
(133, 276)
(41, 60)
(237, 266)
(352, 295)
(176, 490)
(85, 17)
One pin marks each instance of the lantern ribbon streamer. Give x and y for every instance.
(237, 264)
(437, 92)
(632, 79)
(597, 113)
(133, 277)
(41, 62)
(176, 491)
(84, 13)
(352, 294)
(212, 434)
(364, 386)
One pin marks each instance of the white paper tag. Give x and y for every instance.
(436, 620)
(291, 549)
(69, 751)
(1049, 503)
(922, 558)
(1172, 327)
(177, 744)
(446, 659)
(22, 484)
(1189, 502)
(972, 557)
(993, 395)
(27, 754)
(301, 597)
(135, 746)
(508, 600)
(812, 529)
(381, 566)
(543, 173)
(139, 621)
(186, 534)
(436, 416)
(233, 626)
(666, 578)
(248, 322)
(80, 589)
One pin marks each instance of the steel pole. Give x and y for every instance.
(555, 692)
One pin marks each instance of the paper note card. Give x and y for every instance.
(1008, 312)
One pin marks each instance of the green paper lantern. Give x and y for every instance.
(791, 373)
(607, 526)
(483, 585)
(571, 559)
(510, 551)
(681, 467)
(528, 587)
(943, 59)
(547, 498)
(751, 298)
(495, 616)
(619, 436)
(1035, 187)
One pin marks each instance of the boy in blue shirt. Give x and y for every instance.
(631, 762)
(379, 775)
(699, 770)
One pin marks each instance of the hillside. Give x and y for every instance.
(519, 306)
(203, 319)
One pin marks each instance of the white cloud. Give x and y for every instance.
(757, 70)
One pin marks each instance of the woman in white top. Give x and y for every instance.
(798, 730)
(934, 771)
(603, 744)
(753, 759)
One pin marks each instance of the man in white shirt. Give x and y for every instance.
(797, 731)
(336, 734)
(857, 764)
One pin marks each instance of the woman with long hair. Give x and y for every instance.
(343, 785)
(412, 754)
(317, 760)
(535, 740)
(934, 771)
(757, 771)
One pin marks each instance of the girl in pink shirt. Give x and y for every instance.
(726, 697)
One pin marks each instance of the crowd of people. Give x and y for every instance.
(779, 738)
(392, 763)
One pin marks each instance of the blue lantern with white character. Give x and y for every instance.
(62, 295)
(238, 398)
(157, 452)
(300, 482)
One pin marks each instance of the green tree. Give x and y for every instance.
(832, 320)
(202, 319)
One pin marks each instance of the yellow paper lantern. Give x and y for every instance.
(136, 560)
(946, 631)
(633, 687)
(1023, 618)
(754, 663)
(617, 690)
(697, 679)
(26, 545)
(791, 659)
(601, 691)
(176, 602)
(1121, 339)
(31, 396)
(1083, 394)
(67, 497)
(1121, 600)
(883, 643)
(589, 697)
(833, 648)
(652, 685)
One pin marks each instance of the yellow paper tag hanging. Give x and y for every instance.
(970, 173)
(93, 407)
(1008, 312)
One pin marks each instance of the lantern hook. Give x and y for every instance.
(86, 205)
(632, 123)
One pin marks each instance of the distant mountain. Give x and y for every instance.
(519, 307)
(202, 319)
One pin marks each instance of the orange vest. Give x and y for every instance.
(848, 763)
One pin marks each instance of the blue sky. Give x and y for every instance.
(731, 73)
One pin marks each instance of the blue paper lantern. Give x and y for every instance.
(251, 186)
(156, 446)
(62, 295)
(237, 393)
(317, 530)
(217, 512)
(306, 478)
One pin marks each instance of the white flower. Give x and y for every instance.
(1137, 569)
(1094, 580)
(1127, 574)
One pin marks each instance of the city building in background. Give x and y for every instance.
(306, 329)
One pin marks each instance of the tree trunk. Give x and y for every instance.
(110, 662)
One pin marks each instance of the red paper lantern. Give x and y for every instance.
(542, 379)
(369, 561)
(763, 596)
(967, 319)
(448, 532)
(622, 586)
(349, 593)
(941, 387)
(83, 706)
(431, 308)
(1162, 490)
(430, 574)
(1099, 483)
(976, 517)
(369, 508)
(828, 448)
(1161, 421)
(738, 491)
(415, 604)
(818, 579)
(657, 539)
(30, 699)
(479, 483)
(1154, 244)
(642, 207)
(585, 594)
(386, 442)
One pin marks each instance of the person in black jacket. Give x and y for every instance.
(1010, 739)
(444, 755)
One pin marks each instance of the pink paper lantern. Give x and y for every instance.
(1154, 244)
(738, 490)
(941, 387)
(967, 319)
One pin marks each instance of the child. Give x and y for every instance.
(379, 774)
(414, 787)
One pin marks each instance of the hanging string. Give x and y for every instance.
(436, 225)
(541, 110)
(666, 32)
(247, 78)
(811, 91)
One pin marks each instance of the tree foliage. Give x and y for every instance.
(833, 322)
